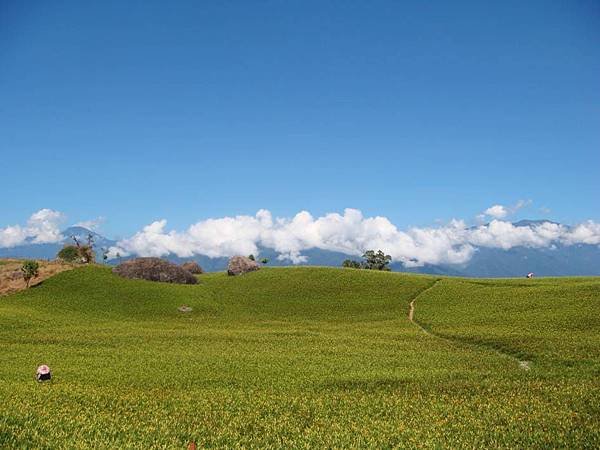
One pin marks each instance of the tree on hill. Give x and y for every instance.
(372, 261)
(376, 260)
(86, 251)
(30, 269)
(69, 253)
(80, 253)
(352, 264)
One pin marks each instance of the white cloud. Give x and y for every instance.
(350, 233)
(116, 252)
(92, 224)
(497, 211)
(42, 227)
(12, 236)
(501, 211)
(520, 205)
(500, 234)
(584, 233)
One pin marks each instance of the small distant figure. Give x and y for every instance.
(530, 275)
(192, 445)
(43, 373)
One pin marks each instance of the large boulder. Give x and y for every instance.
(192, 267)
(154, 269)
(241, 264)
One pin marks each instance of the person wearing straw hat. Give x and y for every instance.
(43, 373)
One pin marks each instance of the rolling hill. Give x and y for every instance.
(302, 357)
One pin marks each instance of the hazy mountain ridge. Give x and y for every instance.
(556, 260)
(49, 251)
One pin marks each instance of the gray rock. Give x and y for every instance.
(192, 267)
(241, 264)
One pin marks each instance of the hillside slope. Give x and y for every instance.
(296, 357)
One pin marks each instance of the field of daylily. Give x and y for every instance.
(301, 357)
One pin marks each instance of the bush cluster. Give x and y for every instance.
(372, 261)
(30, 269)
(69, 253)
(154, 269)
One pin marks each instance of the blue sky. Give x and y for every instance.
(417, 111)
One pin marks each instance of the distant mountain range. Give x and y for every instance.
(557, 260)
(49, 251)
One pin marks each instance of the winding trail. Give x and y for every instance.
(524, 365)
(411, 309)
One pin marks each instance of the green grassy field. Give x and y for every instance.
(301, 357)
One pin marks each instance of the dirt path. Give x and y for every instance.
(411, 308)
(11, 278)
(524, 365)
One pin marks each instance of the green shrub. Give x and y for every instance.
(350, 263)
(30, 270)
(69, 253)
(77, 254)
(372, 261)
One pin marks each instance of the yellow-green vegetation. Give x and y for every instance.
(302, 357)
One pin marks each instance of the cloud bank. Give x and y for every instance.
(42, 227)
(350, 232)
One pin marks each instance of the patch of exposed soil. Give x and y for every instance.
(11, 278)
